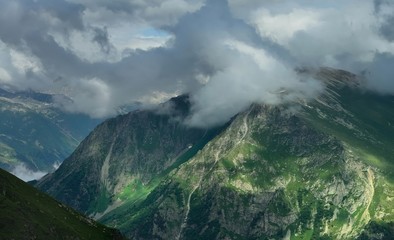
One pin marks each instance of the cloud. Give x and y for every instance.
(253, 77)
(226, 54)
(78, 57)
(4, 76)
(380, 73)
(152, 12)
(101, 37)
(22, 172)
(352, 35)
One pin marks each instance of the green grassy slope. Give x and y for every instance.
(27, 213)
(363, 120)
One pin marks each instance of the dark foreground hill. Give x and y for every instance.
(26, 213)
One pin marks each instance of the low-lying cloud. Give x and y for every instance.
(226, 54)
(26, 174)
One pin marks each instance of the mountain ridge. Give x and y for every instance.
(35, 134)
(303, 170)
(139, 146)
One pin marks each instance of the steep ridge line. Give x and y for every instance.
(184, 222)
(245, 129)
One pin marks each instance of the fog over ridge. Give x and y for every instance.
(226, 54)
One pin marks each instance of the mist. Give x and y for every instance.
(26, 174)
(225, 54)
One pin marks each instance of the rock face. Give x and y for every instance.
(268, 175)
(130, 151)
(35, 133)
(27, 213)
(320, 169)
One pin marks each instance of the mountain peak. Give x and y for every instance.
(28, 94)
(332, 77)
(177, 107)
(339, 78)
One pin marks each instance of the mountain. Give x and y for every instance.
(35, 134)
(318, 169)
(130, 151)
(27, 213)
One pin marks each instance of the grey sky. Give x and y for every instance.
(227, 54)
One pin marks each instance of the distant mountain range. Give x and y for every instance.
(318, 169)
(35, 135)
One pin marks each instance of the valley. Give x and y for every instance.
(35, 135)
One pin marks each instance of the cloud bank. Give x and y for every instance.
(226, 54)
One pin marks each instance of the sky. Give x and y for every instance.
(226, 54)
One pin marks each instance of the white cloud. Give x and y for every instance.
(25, 174)
(336, 35)
(4, 76)
(252, 76)
(24, 62)
(281, 28)
(86, 96)
(56, 165)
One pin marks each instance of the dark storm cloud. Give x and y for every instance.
(387, 29)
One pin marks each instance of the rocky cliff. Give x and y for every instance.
(130, 152)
